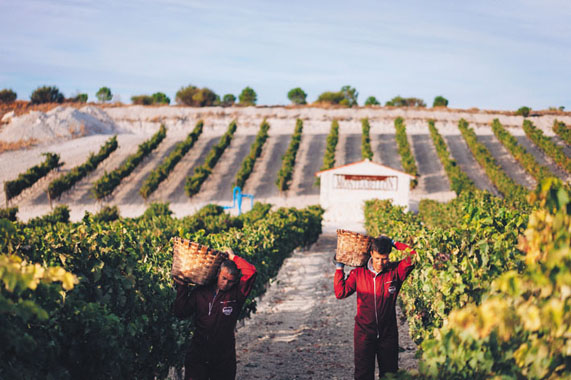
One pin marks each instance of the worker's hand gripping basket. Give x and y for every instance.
(352, 248)
(194, 262)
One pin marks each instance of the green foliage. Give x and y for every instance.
(255, 151)
(31, 176)
(228, 100)
(7, 95)
(330, 146)
(79, 98)
(372, 101)
(547, 145)
(9, 213)
(459, 181)
(455, 260)
(104, 94)
(46, 94)
(523, 111)
(407, 159)
(105, 185)
(526, 160)
(66, 181)
(193, 183)
(347, 96)
(142, 100)
(248, 97)
(285, 173)
(519, 330)
(562, 131)
(161, 172)
(399, 101)
(117, 322)
(505, 185)
(157, 209)
(60, 214)
(366, 151)
(160, 98)
(440, 101)
(107, 214)
(196, 97)
(297, 96)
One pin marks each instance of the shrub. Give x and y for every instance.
(399, 101)
(372, 101)
(440, 101)
(79, 98)
(196, 97)
(104, 94)
(160, 98)
(562, 131)
(31, 176)
(547, 145)
(248, 97)
(288, 160)
(46, 94)
(9, 213)
(255, 151)
(523, 111)
(297, 96)
(366, 151)
(157, 209)
(7, 96)
(407, 159)
(59, 214)
(347, 96)
(107, 214)
(143, 100)
(228, 100)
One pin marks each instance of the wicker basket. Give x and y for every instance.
(194, 262)
(352, 248)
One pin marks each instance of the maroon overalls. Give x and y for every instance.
(376, 330)
(212, 351)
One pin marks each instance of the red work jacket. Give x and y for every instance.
(215, 314)
(376, 294)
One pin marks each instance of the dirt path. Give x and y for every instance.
(432, 177)
(542, 158)
(505, 159)
(262, 182)
(218, 186)
(385, 150)
(461, 153)
(308, 162)
(301, 331)
(128, 190)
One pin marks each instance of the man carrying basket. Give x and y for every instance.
(377, 284)
(216, 307)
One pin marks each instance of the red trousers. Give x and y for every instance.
(367, 347)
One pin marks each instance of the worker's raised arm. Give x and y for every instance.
(406, 265)
(344, 287)
(248, 274)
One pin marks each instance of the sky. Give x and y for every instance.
(490, 54)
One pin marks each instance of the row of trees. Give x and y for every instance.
(204, 97)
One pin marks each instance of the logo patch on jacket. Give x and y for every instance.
(227, 310)
(392, 289)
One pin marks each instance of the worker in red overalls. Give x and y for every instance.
(377, 285)
(216, 307)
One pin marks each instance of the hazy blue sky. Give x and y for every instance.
(489, 54)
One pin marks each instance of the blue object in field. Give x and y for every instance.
(237, 196)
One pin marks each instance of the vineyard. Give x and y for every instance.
(86, 250)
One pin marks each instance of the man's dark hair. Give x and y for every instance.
(382, 244)
(231, 268)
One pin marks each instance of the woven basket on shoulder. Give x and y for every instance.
(194, 262)
(352, 248)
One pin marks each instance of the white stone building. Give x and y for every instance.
(344, 189)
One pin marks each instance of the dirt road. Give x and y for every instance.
(301, 331)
